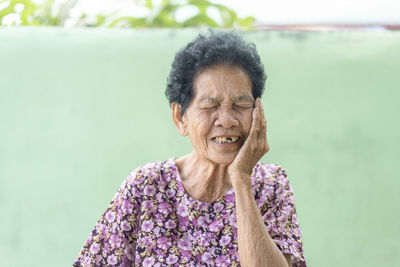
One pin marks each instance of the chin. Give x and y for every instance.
(223, 159)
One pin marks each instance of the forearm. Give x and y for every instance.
(256, 247)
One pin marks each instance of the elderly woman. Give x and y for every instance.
(217, 206)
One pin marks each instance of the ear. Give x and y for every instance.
(179, 121)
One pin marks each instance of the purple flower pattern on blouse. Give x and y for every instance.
(152, 221)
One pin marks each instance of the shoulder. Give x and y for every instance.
(150, 173)
(270, 180)
(148, 170)
(269, 173)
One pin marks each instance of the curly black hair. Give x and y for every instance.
(210, 49)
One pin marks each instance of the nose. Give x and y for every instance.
(226, 118)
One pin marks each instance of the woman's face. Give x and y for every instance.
(218, 120)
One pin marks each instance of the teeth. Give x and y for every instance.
(224, 140)
(234, 138)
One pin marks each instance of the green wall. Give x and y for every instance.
(81, 108)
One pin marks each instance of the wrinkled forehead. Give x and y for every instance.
(222, 82)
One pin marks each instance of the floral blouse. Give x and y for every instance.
(152, 221)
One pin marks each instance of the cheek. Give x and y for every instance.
(200, 131)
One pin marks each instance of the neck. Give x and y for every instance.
(203, 179)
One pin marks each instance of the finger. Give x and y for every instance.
(262, 136)
(261, 108)
(260, 117)
(254, 124)
(263, 122)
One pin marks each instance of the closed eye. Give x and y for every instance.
(242, 106)
(210, 107)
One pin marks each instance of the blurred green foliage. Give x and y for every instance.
(27, 12)
(164, 14)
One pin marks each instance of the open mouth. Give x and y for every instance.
(226, 139)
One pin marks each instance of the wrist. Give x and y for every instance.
(240, 180)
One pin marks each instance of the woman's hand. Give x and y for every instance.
(255, 146)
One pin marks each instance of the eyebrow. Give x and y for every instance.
(208, 99)
(242, 97)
